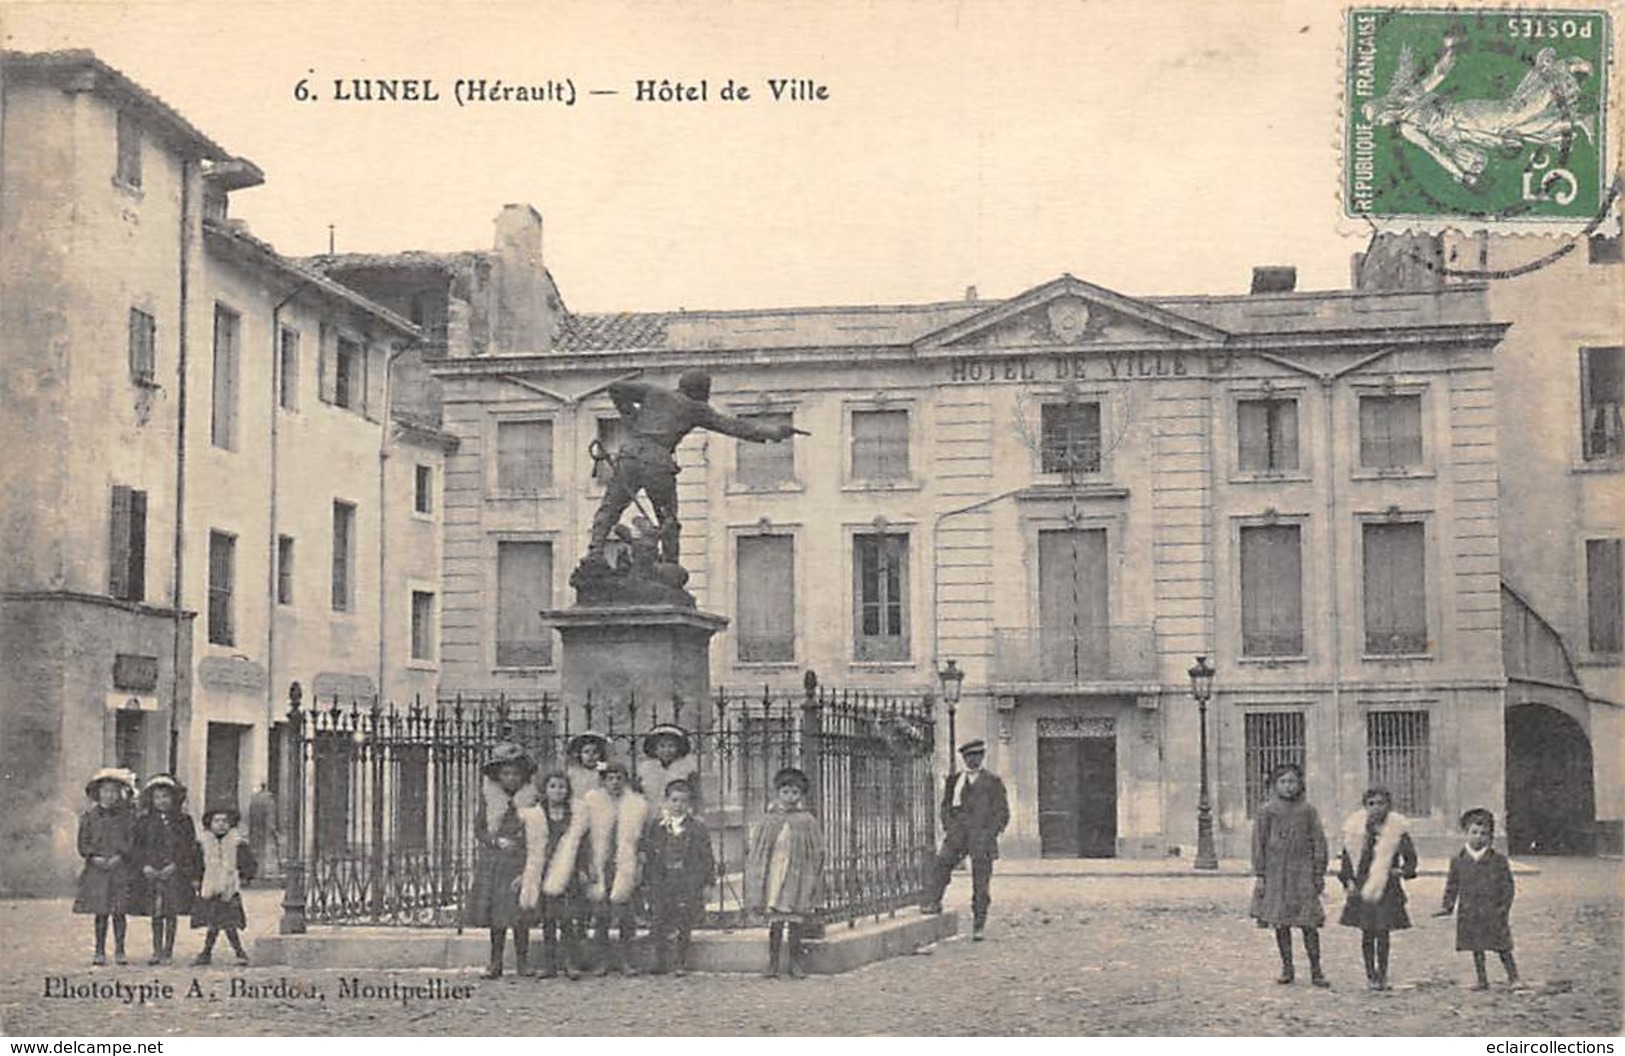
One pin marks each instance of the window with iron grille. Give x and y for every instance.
(1271, 590)
(284, 570)
(1069, 437)
(223, 407)
(1395, 581)
(765, 616)
(343, 556)
(128, 171)
(1267, 435)
(127, 557)
(880, 589)
(524, 457)
(1605, 614)
(129, 744)
(524, 589)
(1398, 758)
(880, 446)
(1273, 738)
(222, 579)
(765, 466)
(143, 346)
(422, 625)
(288, 372)
(1602, 391)
(608, 432)
(1390, 431)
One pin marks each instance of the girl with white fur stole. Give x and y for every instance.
(499, 862)
(1377, 856)
(550, 890)
(612, 818)
(228, 863)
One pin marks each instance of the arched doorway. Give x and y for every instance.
(1551, 804)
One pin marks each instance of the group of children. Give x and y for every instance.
(582, 851)
(1290, 859)
(143, 858)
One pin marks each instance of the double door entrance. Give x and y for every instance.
(1077, 788)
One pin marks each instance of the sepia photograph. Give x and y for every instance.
(892, 518)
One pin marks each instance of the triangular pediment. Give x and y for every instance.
(1069, 312)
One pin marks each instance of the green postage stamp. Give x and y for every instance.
(1477, 117)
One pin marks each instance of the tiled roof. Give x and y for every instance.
(621, 330)
(415, 259)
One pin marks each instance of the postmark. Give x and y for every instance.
(1472, 118)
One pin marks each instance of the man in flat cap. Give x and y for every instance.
(974, 812)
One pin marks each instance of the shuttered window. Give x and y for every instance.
(288, 369)
(1399, 759)
(1395, 582)
(350, 377)
(880, 589)
(223, 407)
(222, 582)
(1271, 590)
(765, 466)
(422, 625)
(128, 171)
(880, 446)
(284, 570)
(127, 553)
(1390, 431)
(143, 339)
(1069, 440)
(1267, 435)
(765, 611)
(1602, 391)
(1606, 620)
(524, 457)
(344, 542)
(1273, 738)
(524, 589)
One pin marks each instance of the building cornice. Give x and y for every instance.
(136, 607)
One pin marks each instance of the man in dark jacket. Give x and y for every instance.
(974, 812)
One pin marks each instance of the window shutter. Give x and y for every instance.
(326, 365)
(1250, 425)
(1271, 591)
(368, 402)
(1603, 582)
(118, 584)
(1286, 435)
(766, 593)
(136, 578)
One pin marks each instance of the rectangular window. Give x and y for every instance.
(880, 446)
(524, 457)
(223, 410)
(1602, 391)
(222, 579)
(880, 590)
(127, 558)
(129, 151)
(343, 557)
(422, 625)
(765, 466)
(288, 369)
(284, 570)
(766, 608)
(143, 346)
(350, 378)
(1604, 249)
(608, 434)
(1398, 759)
(412, 790)
(1395, 589)
(1069, 439)
(1606, 618)
(1271, 590)
(1267, 435)
(423, 490)
(129, 740)
(1390, 431)
(1273, 738)
(524, 589)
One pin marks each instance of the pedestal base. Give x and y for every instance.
(616, 657)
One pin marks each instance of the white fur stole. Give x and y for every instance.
(496, 801)
(543, 876)
(616, 828)
(1394, 826)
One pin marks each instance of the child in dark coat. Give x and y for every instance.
(499, 863)
(228, 862)
(1481, 882)
(785, 871)
(166, 850)
(678, 867)
(1377, 855)
(107, 844)
(1289, 859)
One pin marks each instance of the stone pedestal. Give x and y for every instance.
(613, 654)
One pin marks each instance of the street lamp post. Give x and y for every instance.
(953, 679)
(1202, 689)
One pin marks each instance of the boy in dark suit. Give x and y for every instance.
(678, 867)
(974, 811)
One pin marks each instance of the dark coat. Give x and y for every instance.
(1386, 912)
(228, 912)
(983, 813)
(493, 900)
(679, 866)
(1484, 891)
(161, 841)
(1289, 860)
(106, 886)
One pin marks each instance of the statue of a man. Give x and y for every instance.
(654, 421)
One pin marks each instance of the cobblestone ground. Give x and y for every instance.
(1115, 956)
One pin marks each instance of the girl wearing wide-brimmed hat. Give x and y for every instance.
(493, 898)
(228, 863)
(668, 755)
(585, 756)
(107, 844)
(166, 851)
(785, 871)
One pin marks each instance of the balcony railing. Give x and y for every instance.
(1119, 653)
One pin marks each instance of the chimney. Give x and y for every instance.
(970, 293)
(1274, 278)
